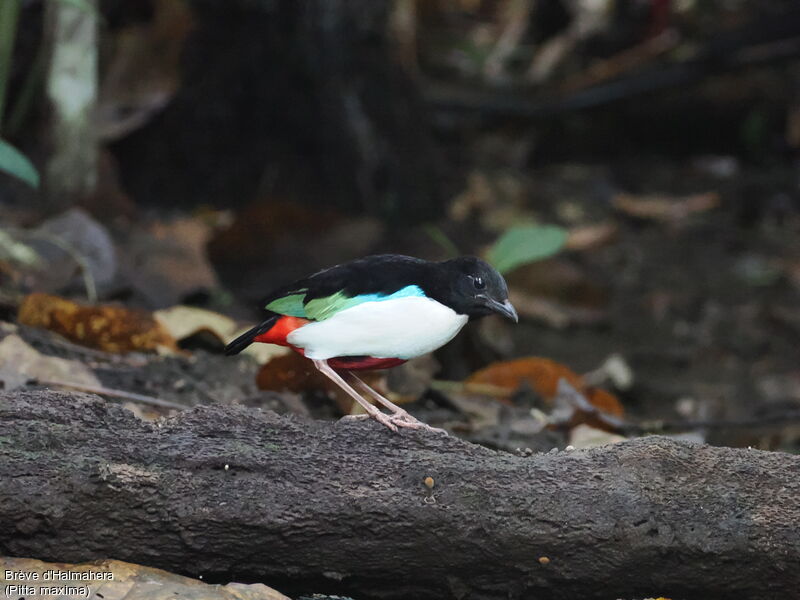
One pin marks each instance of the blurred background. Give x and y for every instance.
(630, 165)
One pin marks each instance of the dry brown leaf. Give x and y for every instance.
(605, 401)
(543, 375)
(665, 208)
(107, 328)
(20, 362)
(114, 580)
(572, 407)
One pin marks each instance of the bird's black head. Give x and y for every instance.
(476, 288)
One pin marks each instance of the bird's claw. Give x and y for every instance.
(401, 418)
(380, 417)
(404, 419)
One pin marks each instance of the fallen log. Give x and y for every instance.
(229, 493)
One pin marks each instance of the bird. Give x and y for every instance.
(378, 312)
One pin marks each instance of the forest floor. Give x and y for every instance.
(681, 301)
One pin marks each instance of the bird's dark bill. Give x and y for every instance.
(504, 308)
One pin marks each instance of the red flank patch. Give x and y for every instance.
(278, 332)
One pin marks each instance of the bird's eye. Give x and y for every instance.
(479, 283)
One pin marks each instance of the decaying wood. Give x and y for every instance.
(234, 494)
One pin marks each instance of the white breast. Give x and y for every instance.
(397, 328)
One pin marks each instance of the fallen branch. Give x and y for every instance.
(234, 494)
(112, 393)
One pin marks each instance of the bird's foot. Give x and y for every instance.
(395, 420)
(403, 418)
(379, 416)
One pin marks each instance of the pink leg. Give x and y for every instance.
(400, 416)
(390, 421)
(373, 412)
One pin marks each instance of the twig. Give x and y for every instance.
(104, 391)
(622, 62)
(91, 352)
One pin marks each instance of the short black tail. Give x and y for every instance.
(244, 340)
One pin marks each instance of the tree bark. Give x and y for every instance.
(229, 493)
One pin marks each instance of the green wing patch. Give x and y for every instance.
(320, 309)
(291, 305)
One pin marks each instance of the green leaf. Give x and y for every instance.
(525, 244)
(15, 163)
